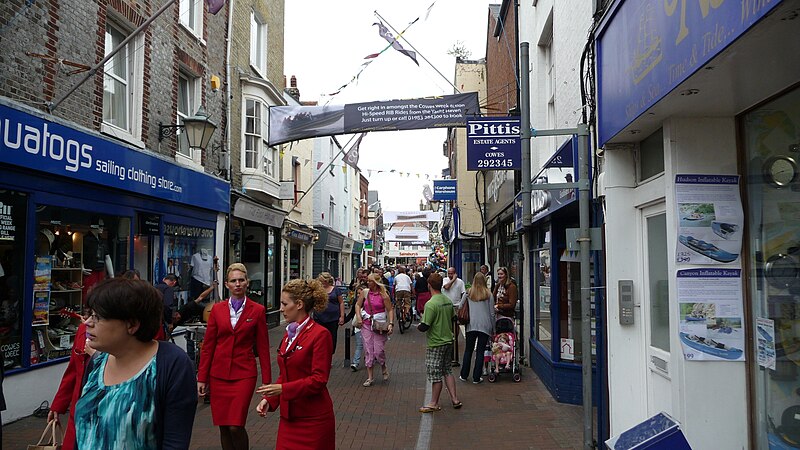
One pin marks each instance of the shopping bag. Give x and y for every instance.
(55, 440)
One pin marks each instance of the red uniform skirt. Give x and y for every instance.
(317, 433)
(230, 400)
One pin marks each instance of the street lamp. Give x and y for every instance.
(198, 128)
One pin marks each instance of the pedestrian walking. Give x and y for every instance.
(227, 362)
(437, 324)
(138, 392)
(421, 290)
(505, 294)
(479, 328)
(332, 316)
(304, 359)
(372, 309)
(453, 288)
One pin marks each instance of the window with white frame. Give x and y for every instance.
(122, 84)
(188, 102)
(191, 12)
(258, 44)
(252, 134)
(270, 161)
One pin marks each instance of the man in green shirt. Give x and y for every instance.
(437, 323)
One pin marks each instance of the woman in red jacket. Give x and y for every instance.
(304, 358)
(70, 389)
(227, 363)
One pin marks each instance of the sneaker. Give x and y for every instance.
(480, 380)
(462, 379)
(354, 367)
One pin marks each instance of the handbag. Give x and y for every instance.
(378, 326)
(55, 441)
(463, 312)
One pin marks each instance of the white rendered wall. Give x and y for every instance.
(709, 399)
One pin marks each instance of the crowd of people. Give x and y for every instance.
(127, 386)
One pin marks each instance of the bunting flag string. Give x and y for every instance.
(373, 171)
(393, 42)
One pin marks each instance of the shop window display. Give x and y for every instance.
(772, 144)
(543, 327)
(74, 251)
(189, 254)
(13, 212)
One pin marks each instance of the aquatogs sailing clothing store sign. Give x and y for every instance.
(34, 143)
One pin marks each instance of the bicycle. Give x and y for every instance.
(404, 319)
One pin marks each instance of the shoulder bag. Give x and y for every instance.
(378, 326)
(463, 311)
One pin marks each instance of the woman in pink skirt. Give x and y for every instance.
(374, 304)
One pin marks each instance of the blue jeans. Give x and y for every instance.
(359, 350)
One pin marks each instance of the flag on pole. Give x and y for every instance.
(351, 157)
(215, 5)
(386, 34)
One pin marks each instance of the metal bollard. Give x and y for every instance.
(347, 335)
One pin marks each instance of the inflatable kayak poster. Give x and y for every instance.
(711, 314)
(710, 219)
(766, 342)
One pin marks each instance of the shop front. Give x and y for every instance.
(76, 208)
(701, 194)
(298, 241)
(346, 272)
(356, 260)
(328, 252)
(255, 242)
(465, 252)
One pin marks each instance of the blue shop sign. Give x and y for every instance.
(493, 143)
(444, 190)
(645, 48)
(43, 145)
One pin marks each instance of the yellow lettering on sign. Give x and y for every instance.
(705, 7)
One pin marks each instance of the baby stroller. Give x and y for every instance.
(504, 350)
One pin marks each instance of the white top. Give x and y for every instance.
(456, 290)
(402, 282)
(235, 315)
(201, 268)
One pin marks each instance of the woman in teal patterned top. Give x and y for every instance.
(137, 393)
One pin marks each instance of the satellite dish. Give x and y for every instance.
(427, 192)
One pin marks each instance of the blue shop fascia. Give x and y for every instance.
(76, 207)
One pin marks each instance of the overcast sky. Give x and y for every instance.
(325, 44)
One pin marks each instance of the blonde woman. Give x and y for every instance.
(332, 317)
(374, 304)
(479, 328)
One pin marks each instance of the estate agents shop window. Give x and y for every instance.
(74, 250)
(13, 211)
(189, 254)
(772, 151)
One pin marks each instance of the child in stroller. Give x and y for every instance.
(504, 350)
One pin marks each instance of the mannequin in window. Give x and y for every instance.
(201, 264)
(94, 255)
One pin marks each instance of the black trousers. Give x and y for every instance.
(333, 328)
(477, 370)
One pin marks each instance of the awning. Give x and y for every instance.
(263, 214)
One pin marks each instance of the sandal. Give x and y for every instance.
(457, 405)
(368, 383)
(430, 409)
(385, 375)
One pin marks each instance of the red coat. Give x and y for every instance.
(70, 389)
(228, 352)
(306, 409)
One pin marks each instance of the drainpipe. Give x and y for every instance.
(228, 256)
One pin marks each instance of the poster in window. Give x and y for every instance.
(41, 307)
(42, 273)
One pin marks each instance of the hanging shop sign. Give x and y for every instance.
(493, 143)
(358, 247)
(149, 224)
(368, 244)
(248, 210)
(645, 50)
(444, 190)
(35, 143)
(292, 123)
(347, 247)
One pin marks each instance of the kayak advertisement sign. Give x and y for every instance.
(710, 219)
(711, 314)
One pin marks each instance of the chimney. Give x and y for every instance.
(292, 90)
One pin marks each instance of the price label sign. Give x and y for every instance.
(493, 143)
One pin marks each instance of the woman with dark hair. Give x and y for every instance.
(505, 294)
(138, 393)
(304, 359)
(421, 290)
(228, 364)
(332, 317)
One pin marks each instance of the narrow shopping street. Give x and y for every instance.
(502, 414)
